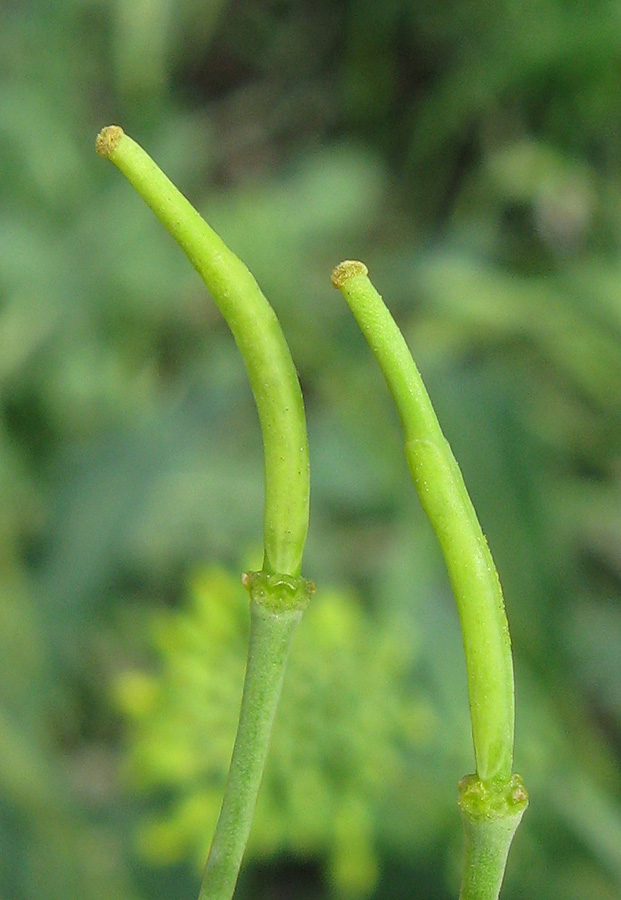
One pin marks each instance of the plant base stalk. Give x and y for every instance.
(491, 815)
(276, 606)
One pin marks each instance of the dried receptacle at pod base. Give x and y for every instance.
(278, 593)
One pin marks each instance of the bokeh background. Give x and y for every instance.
(470, 153)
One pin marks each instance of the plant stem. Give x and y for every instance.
(278, 594)
(443, 495)
(276, 607)
(490, 817)
(258, 335)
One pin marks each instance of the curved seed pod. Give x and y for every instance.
(258, 335)
(493, 801)
(278, 594)
(443, 495)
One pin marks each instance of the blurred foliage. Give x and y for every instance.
(350, 722)
(470, 154)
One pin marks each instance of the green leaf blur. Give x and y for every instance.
(469, 153)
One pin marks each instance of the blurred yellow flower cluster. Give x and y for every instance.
(349, 722)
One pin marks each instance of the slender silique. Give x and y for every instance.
(258, 335)
(278, 594)
(494, 799)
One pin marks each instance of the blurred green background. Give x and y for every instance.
(470, 153)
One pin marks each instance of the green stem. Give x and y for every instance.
(489, 665)
(490, 817)
(258, 335)
(276, 607)
(278, 594)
